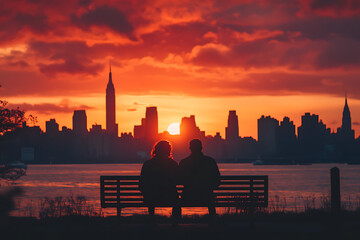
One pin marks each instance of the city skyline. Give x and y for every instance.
(277, 143)
(151, 117)
(231, 129)
(330, 111)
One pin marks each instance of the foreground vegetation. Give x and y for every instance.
(76, 218)
(278, 225)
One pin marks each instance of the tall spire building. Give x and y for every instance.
(111, 126)
(345, 132)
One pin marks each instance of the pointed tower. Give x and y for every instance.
(345, 131)
(111, 126)
(346, 119)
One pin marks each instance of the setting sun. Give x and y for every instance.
(174, 128)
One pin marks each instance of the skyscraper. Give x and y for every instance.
(80, 122)
(52, 127)
(286, 138)
(312, 134)
(189, 130)
(151, 124)
(267, 135)
(345, 132)
(111, 126)
(232, 130)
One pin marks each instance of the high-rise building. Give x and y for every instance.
(345, 132)
(267, 135)
(151, 124)
(286, 137)
(232, 130)
(312, 134)
(111, 126)
(188, 128)
(80, 122)
(96, 129)
(52, 127)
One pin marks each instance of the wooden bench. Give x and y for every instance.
(241, 192)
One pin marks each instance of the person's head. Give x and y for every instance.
(195, 146)
(161, 149)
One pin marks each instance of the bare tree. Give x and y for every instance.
(10, 119)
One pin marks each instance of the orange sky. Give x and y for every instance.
(278, 58)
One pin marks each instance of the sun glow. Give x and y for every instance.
(174, 128)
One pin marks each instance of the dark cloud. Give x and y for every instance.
(319, 4)
(20, 63)
(75, 57)
(258, 54)
(323, 28)
(12, 26)
(356, 123)
(106, 16)
(37, 23)
(71, 66)
(85, 2)
(340, 52)
(336, 5)
(50, 108)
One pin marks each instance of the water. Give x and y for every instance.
(298, 184)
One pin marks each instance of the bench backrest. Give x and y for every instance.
(234, 191)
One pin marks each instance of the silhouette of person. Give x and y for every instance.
(158, 179)
(200, 176)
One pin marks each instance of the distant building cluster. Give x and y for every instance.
(277, 141)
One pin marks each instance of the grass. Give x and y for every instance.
(74, 217)
(71, 205)
(67, 206)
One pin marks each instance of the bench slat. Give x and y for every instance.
(215, 193)
(220, 188)
(230, 204)
(106, 184)
(223, 177)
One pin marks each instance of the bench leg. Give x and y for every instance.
(176, 215)
(118, 212)
(212, 211)
(151, 211)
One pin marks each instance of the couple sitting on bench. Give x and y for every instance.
(199, 174)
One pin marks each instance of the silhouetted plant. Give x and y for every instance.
(278, 204)
(309, 203)
(11, 174)
(10, 119)
(325, 202)
(68, 206)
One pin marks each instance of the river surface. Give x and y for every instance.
(292, 187)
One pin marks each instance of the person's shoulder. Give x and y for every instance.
(185, 160)
(209, 159)
(148, 162)
(173, 162)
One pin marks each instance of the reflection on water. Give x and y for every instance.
(298, 184)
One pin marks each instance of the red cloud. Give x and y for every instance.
(207, 48)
